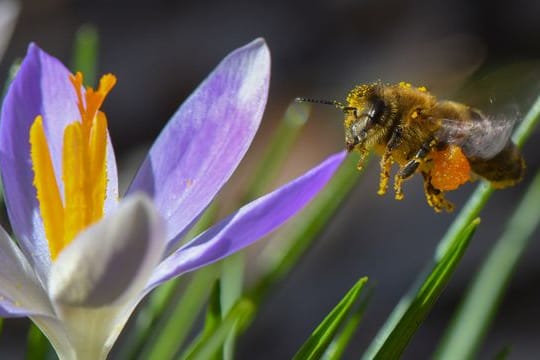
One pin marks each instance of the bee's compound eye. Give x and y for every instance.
(377, 110)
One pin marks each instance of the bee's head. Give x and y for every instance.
(365, 116)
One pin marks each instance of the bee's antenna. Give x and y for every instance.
(335, 103)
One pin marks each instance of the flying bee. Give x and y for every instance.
(449, 143)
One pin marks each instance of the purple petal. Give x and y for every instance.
(41, 87)
(205, 140)
(248, 224)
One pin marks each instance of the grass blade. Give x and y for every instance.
(422, 302)
(206, 346)
(174, 331)
(338, 346)
(85, 53)
(147, 318)
(468, 328)
(232, 280)
(37, 344)
(321, 338)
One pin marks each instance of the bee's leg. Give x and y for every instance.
(408, 170)
(363, 156)
(435, 197)
(387, 160)
(395, 139)
(386, 165)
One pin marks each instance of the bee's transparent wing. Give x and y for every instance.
(482, 137)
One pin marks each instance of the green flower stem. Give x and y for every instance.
(468, 328)
(469, 212)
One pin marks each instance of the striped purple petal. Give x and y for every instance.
(205, 140)
(248, 224)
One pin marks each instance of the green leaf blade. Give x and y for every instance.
(474, 316)
(176, 327)
(209, 343)
(85, 52)
(37, 344)
(338, 346)
(392, 345)
(322, 336)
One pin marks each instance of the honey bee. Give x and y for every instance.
(449, 143)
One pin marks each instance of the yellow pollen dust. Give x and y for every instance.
(84, 168)
(403, 84)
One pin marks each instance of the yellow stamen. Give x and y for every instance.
(84, 168)
(48, 195)
(77, 196)
(98, 164)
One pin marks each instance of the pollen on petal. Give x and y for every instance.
(48, 194)
(451, 168)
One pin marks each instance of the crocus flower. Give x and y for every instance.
(84, 257)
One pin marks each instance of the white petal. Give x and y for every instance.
(54, 330)
(21, 294)
(97, 278)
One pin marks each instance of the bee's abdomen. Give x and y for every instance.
(503, 170)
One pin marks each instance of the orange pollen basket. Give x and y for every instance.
(84, 168)
(451, 169)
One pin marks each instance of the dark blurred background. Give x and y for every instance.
(481, 52)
